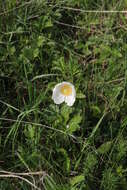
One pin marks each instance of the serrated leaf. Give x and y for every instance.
(65, 112)
(74, 123)
(77, 179)
(66, 157)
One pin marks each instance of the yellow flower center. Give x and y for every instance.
(66, 90)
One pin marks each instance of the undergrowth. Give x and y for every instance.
(56, 147)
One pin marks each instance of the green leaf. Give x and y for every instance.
(74, 123)
(40, 41)
(120, 170)
(65, 112)
(77, 179)
(66, 157)
(80, 95)
(96, 110)
(47, 22)
(12, 50)
(90, 163)
(105, 147)
(28, 52)
(36, 52)
(29, 132)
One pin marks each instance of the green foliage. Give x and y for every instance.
(66, 158)
(121, 148)
(89, 164)
(77, 179)
(73, 124)
(110, 180)
(105, 147)
(82, 147)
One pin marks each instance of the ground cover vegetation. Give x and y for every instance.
(57, 147)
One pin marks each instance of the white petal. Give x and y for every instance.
(58, 99)
(70, 100)
(57, 96)
(73, 91)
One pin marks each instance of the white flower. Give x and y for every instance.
(64, 92)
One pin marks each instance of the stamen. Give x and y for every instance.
(66, 90)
